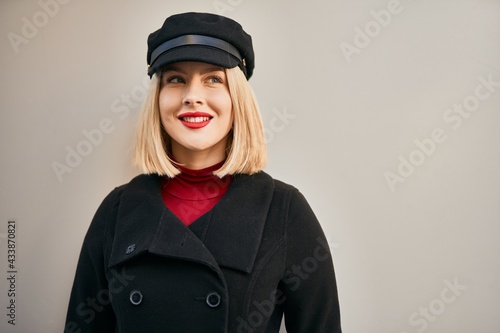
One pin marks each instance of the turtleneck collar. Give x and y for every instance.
(196, 185)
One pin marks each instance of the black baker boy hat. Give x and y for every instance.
(203, 37)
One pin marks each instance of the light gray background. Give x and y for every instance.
(349, 120)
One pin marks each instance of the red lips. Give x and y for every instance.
(195, 120)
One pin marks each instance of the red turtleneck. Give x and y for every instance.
(192, 193)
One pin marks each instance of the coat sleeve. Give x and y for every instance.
(310, 290)
(89, 308)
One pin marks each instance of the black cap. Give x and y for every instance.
(203, 37)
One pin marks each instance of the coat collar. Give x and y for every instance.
(145, 224)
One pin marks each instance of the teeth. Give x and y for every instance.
(195, 119)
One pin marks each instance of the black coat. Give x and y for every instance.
(258, 254)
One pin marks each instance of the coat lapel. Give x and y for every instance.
(138, 218)
(174, 239)
(238, 221)
(144, 224)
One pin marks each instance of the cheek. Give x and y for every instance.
(228, 116)
(166, 106)
(225, 104)
(162, 102)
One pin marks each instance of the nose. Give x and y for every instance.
(193, 94)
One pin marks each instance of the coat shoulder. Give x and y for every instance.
(282, 186)
(266, 179)
(283, 189)
(111, 203)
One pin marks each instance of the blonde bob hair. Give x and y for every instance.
(246, 149)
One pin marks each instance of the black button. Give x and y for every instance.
(213, 299)
(135, 297)
(130, 249)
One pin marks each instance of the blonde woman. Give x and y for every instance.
(204, 240)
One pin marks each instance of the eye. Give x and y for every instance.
(174, 79)
(215, 79)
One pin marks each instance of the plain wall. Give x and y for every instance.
(385, 114)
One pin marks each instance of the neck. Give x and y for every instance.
(196, 160)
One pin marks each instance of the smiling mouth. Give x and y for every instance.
(195, 120)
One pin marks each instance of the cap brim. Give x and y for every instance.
(197, 53)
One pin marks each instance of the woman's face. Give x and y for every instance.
(196, 109)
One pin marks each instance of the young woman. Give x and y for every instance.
(204, 240)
